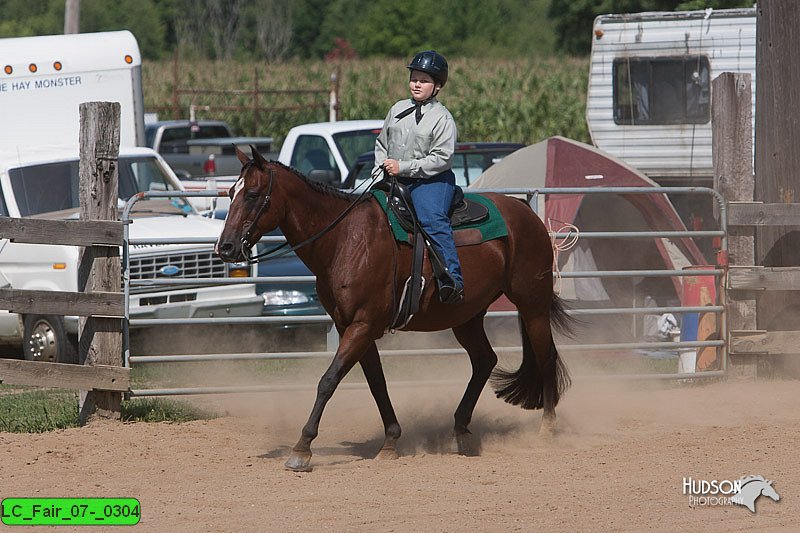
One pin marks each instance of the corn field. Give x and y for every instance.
(523, 100)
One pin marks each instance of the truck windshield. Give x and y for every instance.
(52, 189)
(352, 144)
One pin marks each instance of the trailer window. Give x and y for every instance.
(662, 90)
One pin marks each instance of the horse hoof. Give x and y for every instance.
(468, 445)
(298, 463)
(548, 428)
(387, 454)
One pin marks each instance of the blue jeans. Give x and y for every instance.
(432, 198)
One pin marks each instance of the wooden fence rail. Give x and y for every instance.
(99, 304)
(62, 232)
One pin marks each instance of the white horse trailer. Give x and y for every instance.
(45, 78)
(649, 98)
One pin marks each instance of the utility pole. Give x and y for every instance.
(72, 16)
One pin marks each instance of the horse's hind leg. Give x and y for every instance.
(352, 347)
(472, 336)
(373, 371)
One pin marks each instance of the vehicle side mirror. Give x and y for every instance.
(331, 177)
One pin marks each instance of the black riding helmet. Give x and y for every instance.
(431, 62)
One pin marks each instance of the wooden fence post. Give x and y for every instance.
(732, 140)
(777, 159)
(99, 267)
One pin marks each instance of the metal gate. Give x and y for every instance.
(533, 196)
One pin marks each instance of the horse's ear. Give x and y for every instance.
(261, 163)
(241, 155)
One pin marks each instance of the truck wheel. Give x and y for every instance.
(45, 339)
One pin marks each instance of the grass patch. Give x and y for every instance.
(160, 410)
(26, 410)
(37, 411)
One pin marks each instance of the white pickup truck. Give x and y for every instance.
(327, 151)
(323, 151)
(43, 183)
(45, 79)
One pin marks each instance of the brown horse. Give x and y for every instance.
(359, 265)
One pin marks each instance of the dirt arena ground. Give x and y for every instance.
(616, 464)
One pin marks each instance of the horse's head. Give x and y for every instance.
(253, 211)
(768, 490)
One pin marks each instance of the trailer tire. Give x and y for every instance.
(45, 339)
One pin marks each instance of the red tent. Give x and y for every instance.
(564, 163)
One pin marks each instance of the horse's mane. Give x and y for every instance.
(320, 187)
(748, 479)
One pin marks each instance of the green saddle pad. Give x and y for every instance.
(494, 227)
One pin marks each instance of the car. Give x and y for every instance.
(469, 162)
(286, 299)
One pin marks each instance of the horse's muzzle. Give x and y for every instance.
(230, 251)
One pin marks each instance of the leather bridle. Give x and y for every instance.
(248, 233)
(270, 254)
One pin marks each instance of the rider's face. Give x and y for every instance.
(421, 85)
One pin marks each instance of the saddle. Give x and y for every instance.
(462, 211)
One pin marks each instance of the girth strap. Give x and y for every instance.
(412, 291)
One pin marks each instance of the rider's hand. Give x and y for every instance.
(392, 166)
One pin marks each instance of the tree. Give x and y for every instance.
(308, 16)
(273, 28)
(391, 28)
(141, 17)
(573, 19)
(32, 17)
(210, 28)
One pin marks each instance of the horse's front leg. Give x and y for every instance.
(352, 346)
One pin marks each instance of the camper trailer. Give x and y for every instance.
(649, 97)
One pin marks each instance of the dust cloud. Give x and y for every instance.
(425, 389)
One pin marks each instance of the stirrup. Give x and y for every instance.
(450, 293)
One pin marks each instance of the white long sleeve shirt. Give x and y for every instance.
(423, 150)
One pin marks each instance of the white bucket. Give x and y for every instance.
(687, 361)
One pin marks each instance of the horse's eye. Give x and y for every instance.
(251, 196)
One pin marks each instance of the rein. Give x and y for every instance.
(271, 254)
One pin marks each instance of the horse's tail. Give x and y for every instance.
(564, 323)
(525, 387)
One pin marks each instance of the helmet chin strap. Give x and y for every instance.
(436, 90)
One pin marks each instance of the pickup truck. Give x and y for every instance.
(327, 151)
(43, 183)
(201, 148)
(323, 151)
